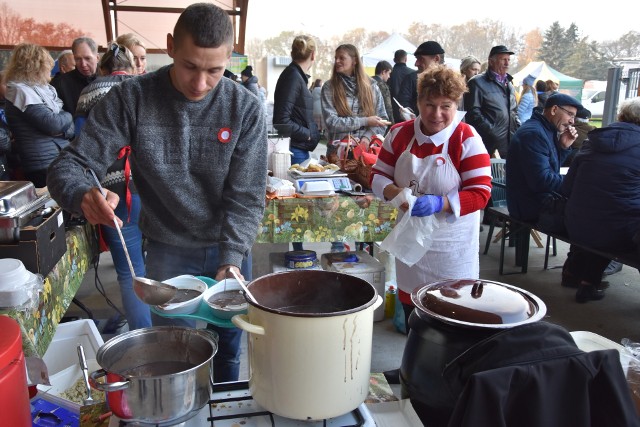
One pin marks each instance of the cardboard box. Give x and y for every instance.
(40, 247)
(367, 268)
(62, 360)
(62, 353)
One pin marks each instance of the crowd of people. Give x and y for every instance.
(196, 143)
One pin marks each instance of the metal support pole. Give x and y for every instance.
(614, 76)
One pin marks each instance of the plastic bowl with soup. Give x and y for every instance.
(188, 296)
(226, 299)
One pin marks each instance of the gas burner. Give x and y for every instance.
(231, 405)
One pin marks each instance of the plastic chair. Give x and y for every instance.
(498, 192)
(498, 176)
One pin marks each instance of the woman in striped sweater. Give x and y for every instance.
(445, 164)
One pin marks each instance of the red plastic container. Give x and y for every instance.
(14, 396)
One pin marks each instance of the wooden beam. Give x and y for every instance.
(123, 8)
(107, 20)
(244, 4)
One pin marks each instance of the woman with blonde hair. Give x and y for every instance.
(138, 50)
(351, 103)
(40, 127)
(528, 99)
(116, 66)
(293, 103)
(469, 67)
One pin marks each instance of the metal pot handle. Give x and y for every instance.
(378, 302)
(121, 385)
(242, 322)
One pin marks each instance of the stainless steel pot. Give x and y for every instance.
(450, 317)
(158, 376)
(310, 337)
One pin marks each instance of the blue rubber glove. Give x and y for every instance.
(427, 205)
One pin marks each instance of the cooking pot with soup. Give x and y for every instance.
(159, 376)
(310, 336)
(450, 317)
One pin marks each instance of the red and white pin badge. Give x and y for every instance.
(440, 161)
(224, 135)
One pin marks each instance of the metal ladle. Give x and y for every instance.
(244, 287)
(149, 291)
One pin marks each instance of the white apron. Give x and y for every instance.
(454, 252)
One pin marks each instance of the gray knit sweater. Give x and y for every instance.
(200, 167)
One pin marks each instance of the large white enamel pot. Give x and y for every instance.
(309, 336)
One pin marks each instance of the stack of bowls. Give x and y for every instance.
(17, 285)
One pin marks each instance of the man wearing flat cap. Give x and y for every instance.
(491, 103)
(427, 54)
(537, 150)
(492, 108)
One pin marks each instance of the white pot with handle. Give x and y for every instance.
(309, 336)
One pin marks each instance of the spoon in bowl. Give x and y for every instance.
(149, 291)
(244, 287)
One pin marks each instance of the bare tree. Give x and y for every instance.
(532, 45)
(14, 29)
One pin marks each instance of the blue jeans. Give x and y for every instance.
(167, 261)
(298, 155)
(137, 313)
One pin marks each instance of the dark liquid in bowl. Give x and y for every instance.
(227, 298)
(183, 295)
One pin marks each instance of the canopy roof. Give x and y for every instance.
(541, 71)
(385, 50)
(55, 24)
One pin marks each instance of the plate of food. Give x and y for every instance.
(313, 169)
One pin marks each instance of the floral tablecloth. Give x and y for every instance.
(39, 324)
(327, 219)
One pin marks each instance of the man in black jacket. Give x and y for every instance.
(492, 108)
(69, 85)
(399, 72)
(491, 103)
(427, 54)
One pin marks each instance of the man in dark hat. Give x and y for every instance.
(399, 72)
(537, 150)
(427, 54)
(491, 106)
(491, 103)
(583, 128)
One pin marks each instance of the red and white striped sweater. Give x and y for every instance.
(466, 150)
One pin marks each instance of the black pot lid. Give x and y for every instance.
(478, 303)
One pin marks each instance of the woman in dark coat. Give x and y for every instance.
(293, 102)
(603, 210)
(40, 126)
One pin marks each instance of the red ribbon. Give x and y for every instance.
(124, 152)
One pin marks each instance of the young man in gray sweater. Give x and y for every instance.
(198, 156)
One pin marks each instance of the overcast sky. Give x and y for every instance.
(600, 22)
